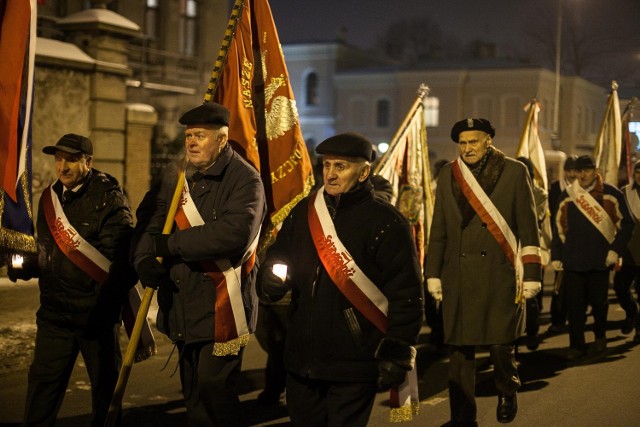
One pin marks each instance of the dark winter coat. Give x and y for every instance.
(230, 198)
(328, 339)
(478, 281)
(577, 242)
(100, 212)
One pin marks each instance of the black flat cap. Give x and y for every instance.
(585, 162)
(207, 113)
(471, 124)
(71, 143)
(570, 163)
(348, 144)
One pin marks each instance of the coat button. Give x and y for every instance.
(484, 225)
(464, 255)
(483, 253)
(177, 281)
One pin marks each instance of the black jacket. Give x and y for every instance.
(327, 337)
(101, 214)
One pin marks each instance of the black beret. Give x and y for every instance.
(570, 163)
(71, 143)
(207, 113)
(348, 144)
(472, 124)
(585, 162)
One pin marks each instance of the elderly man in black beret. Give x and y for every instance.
(593, 227)
(483, 262)
(356, 301)
(206, 294)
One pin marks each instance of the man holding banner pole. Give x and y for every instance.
(483, 261)
(206, 295)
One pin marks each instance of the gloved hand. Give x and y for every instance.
(273, 285)
(530, 289)
(28, 270)
(434, 286)
(612, 259)
(390, 374)
(152, 274)
(556, 264)
(162, 245)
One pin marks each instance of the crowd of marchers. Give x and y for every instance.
(340, 296)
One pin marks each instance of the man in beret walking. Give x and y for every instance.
(206, 294)
(356, 301)
(84, 230)
(483, 262)
(593, 227)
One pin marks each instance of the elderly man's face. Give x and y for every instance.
(340, 174)
(204, 143)
(570, 175)
(473, 144)
(586, 177)
(72, 168)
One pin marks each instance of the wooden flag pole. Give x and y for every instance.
(129, 357)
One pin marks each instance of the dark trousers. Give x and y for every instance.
(56, 351)
(622, 285)
(586, 289)
(558, 307)
(533, 316)
(316, 403)
(271, 333)
(462, 378)
(208, 386)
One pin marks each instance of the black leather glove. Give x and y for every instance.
(390, 374)
(152, 274)
(28, 270)
(272, 286)
(162, 245)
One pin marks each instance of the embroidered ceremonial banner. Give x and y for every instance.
(17, 44)
(231, 330)
(592, 210)
(531, 147)
(608, 147)
(88, 259)
(264, 126)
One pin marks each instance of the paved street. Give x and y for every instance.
(603, 391)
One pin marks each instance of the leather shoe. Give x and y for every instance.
(533, 342)
(507, 408)
(629, 323)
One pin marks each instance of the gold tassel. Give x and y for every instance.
(145, 353)
(231, 347)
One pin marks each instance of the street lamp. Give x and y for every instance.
(556, 102)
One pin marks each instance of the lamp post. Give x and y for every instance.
(555, 144)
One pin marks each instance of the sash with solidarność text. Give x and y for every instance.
(88, 259)
(231, 331)
(592, 210)
(361, 292)
(496, 224)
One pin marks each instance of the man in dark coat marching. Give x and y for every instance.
(483, 262)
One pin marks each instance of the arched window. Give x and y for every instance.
(383, 111)
(311, 89)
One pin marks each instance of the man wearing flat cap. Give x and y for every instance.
(558, 308)
(206, 280)
(356, 302)
(84, 229)
(483, 262)
(591, 215)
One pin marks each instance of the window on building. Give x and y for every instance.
(188, 26)
(383, 112)
(431, 111)
(311, 89)
(151, 18)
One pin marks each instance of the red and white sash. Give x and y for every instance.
(633, 201)
(496, 224)
(231, 329)
(95, 265)
(365, 296)
(592, 210)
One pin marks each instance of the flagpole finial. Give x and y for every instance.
(614, 85)
(423, 90)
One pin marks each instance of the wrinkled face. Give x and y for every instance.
(340, 174)
(636, 175)
(473, 145)
(72, 168)
(586, 177)
(570, 175)
(203, 144)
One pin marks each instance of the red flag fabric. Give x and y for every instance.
(254, 86)
(17, 44)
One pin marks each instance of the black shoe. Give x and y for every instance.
(556, 329)
(533, 342)
(507, 408)
(636, 337)
(629, 324)
(575, 354)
